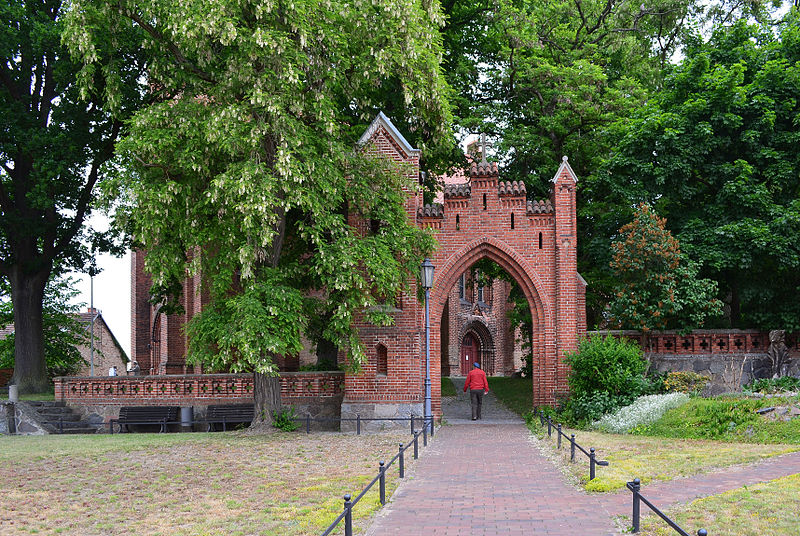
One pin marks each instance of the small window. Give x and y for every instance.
(480, 294)
(462, 287)
(458, 222)
(374, 226)
(512, 220)
(540, 240)
(484, 201)
(382, 361)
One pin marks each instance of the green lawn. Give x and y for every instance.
(227, 484)
(448, 389)
(767, 508)
(515, 393)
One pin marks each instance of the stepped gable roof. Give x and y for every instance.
(539, 207)
(457, 190)
(512, 188)
(382, 121)
(433, 210)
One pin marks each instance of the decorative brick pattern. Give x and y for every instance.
(190, 389)
(699, 342)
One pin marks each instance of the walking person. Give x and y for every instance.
(478, 386)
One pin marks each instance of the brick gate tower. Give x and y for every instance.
(483, 217)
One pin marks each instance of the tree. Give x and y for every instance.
(63, 331)
(246, 170)
(53, 144)
(717, 151)
(658, 287)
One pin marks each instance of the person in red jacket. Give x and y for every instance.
(478, 386)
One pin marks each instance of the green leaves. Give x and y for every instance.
(246, 171)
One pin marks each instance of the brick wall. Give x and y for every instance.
(190, 389)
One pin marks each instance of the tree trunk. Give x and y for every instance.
(267, 395)
(27, 293)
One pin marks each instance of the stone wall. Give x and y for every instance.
(19, 418)
(730, 358)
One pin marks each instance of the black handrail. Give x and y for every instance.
(347, 513)
(593, 461)
(635, 486)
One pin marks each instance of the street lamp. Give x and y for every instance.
(426, 277)
(92, 272)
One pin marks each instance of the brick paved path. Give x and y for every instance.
(486, 478)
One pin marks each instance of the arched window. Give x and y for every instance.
(540, 240)
(458, 222)
(484, 201)
(512, 220)
(382, 360)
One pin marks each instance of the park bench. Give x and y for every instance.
(145, 415)
(227, 414)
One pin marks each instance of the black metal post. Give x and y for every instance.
(541, 417)
(402, 465)
(572, 447)
(308, 423)
(559, 436)
(549, 426)
(416, 446)
(224, 424)
(636, 485)
(425, 435)
(358, 424)
(432, 426)
(412, 423)
(591, 463)
(348, 516)
(111, 426)
(382, 473)
(61, 425)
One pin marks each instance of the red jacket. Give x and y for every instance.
(476, 379)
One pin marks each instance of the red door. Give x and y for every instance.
(469, 353)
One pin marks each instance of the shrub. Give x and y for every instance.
(644, 410)
(591, 406)
(685, 382)
(284, 420)
(605, 364)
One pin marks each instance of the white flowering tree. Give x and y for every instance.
(244, 169)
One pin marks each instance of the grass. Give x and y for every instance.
(766, 508)
(189, 484)
(515, 393)
(448, 389)
(654, 458)
(727, 419)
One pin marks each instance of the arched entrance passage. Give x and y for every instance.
(450, 268)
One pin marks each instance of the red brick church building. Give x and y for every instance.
(534, 241)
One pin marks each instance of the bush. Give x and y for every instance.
(284, 420)
(644, 410)
(607, 373)
(685, 382)
(605, 364)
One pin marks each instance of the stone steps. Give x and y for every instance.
(58, 418)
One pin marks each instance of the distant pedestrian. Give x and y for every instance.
(478, 386)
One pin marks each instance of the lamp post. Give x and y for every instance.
(426, 277)
(92, 272)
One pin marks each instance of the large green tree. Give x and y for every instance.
(247, 170)
(54, 142)
(717, 152)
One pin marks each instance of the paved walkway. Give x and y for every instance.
(488, 477)
(485, 478)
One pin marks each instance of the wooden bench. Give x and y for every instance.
(229, 414)
(145, 415)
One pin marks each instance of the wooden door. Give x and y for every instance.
(469, 353)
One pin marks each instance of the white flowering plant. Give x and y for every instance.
(644, 410)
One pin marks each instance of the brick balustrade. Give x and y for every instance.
(708, 341)
(190, 389)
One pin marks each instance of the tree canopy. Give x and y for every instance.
(54, 142)
(717, 152)
(246, 169)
